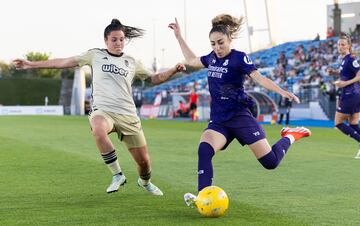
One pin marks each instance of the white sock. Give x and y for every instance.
(114, 167)
(112, 162)
(145, 179)
(291, 138)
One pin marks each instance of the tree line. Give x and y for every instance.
(9, 71)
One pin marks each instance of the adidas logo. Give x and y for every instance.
(105, 58)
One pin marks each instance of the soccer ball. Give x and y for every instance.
(212, 201)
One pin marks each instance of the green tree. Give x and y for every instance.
(41, 73)
(4, 70)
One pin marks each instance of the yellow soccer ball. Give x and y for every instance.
(212, 201)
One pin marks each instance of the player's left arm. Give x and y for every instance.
(270, 85)
(166, 75)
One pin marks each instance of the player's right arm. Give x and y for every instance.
(341, 84)
(69, 62)
(189, 55)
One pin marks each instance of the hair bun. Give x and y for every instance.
(115, 21)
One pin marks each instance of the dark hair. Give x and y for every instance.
(227, 24)
(130, 32)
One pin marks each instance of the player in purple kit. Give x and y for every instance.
(230, 114)
(349, 102)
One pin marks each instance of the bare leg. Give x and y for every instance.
(340, 118)
(214, 138)
(260, 148)
(354, 119)
(142, 159)
(100, 129)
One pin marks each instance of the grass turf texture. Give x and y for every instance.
(51, 174)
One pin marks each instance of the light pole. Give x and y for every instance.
(185, 16)
(268, 22)
(251, 30)
(154, 65)
(163, 57)
(247, 27)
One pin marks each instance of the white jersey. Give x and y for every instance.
(112, 77)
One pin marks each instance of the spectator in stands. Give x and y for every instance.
(113, 108)
(282, 60)
(230, 117)
(349, 102)
(193, 98)
(258, 63)
(330, 32)
(285, 105)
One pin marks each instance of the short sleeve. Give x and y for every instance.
(355, 66)
(140, 71)
(246, 64)
(85, 58)
(205, 60)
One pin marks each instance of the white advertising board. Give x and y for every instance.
(32, 110)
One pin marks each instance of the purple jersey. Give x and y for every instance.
(226, 78)
(349, 68)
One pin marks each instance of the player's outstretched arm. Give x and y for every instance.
(189, 55)
(21, 64)
(166, 75)
(270, 85)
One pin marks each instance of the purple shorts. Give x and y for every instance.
(349, 105)
(245, 135)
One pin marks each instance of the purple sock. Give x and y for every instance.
(356, 128)
(349, 131)
(205, 169)
(272, 159)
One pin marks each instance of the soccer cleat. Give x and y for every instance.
(297, 133)
(117, 181)
(151, 188)
(190, 200)
(358, 155)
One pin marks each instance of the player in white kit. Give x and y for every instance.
(113, 108)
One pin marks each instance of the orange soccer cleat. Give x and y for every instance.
(297, 133)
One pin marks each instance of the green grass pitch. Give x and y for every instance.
(51, 174)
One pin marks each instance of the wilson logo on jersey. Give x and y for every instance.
(113, 69)
(247, 60)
